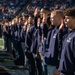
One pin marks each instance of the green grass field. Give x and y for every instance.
(1, 43)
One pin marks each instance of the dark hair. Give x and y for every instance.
(26, 15)
(48, 21)
(70, 12)
(31, 15)
(46, 8)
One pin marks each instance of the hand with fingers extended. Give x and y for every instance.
(36, 11)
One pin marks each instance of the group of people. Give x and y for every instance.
(46, 38)
(10, 8)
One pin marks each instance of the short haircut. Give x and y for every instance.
(58, 12)
(45, 9)
(70, 12)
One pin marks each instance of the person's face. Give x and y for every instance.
(17, 20)
(44, 20)
(55, 19)
(69, 21)
(30, 20)
(39, 21)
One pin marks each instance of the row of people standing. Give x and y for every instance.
(12, 32)
(43, 39)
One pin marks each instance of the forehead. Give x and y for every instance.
(68, 17)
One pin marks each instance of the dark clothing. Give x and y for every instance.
(23, 34)
(67, 61)
(19, 58)
(51, 55)
(35, 48)
(31, 62)
(28, 38)
(29, 54)
(0, 30)
(39, 65)
(55, 46)
(62, 35)
(7, 38)
(48, 37)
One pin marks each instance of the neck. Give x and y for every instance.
(57, 24)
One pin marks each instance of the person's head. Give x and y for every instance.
(21, 21)
(39, 21)
(10, 23)
(44, 19)
(25, 17)
(31, 19)
(17, 19)
(44, 12)
(70, 17)
(56, 16)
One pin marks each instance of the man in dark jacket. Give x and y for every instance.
(52, 52)
(67, 61)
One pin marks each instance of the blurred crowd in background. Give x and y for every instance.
(10, 8)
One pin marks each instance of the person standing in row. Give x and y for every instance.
(67, 61)
(52, 52)
(28, 42)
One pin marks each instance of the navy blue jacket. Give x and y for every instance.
(14, 29)
(52, 54)
(36, 41)
(61, 36)
(23, 34)
(48, 37)
(16, 32)
(6, 32)
(67, 61)
(34, 46)
(28, 38)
